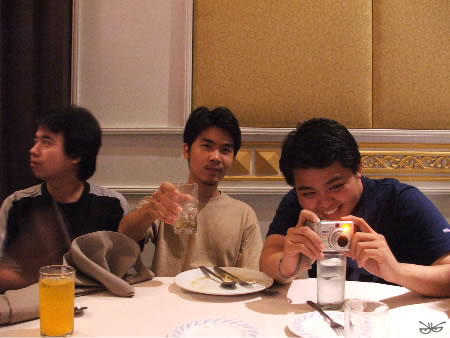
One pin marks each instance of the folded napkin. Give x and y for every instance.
(103, 260)
(106, 259)
(19, 305)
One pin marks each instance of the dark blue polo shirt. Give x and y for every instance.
(414, 229)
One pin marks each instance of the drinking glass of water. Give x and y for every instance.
(331, 280)
(365, 318)
(186, 222)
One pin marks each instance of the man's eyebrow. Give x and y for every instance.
(304, 187)
(334, 179)
(207, 140)
(227, 145)
(46, 137)
(330, 181)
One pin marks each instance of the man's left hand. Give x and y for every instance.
(371, 251)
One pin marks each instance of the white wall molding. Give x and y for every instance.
(257, 190)
(274, 134)
(75, 49)
(189, 11)
(143, 131)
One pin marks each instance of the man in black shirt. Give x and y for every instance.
(38, 224)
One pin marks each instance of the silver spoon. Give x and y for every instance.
(225, 283)
(79, 310)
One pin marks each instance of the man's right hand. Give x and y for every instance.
(163, 203)
(302, 239)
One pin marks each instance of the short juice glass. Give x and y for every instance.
(56, 300)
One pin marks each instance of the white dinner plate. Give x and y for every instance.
(215, 327)
(312, 324)
(195, 280)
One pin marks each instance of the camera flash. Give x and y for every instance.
(346, 227)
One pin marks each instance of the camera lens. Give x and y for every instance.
(342, 241)
(338, 240)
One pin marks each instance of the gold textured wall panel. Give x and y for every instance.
(275, 63)
(411, 64)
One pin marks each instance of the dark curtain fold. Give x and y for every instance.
(35, 76)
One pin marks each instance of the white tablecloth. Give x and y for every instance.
(159, 306)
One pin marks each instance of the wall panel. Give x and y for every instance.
(411, 64)
(277, 62)
(131, 61)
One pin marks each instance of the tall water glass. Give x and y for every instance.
(56, 300)
(331, 280)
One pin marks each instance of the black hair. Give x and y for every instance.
(202, 118)
(81, 133)
(318, 143)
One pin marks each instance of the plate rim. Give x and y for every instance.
(312, 314)
(241, 291)
(189, 325)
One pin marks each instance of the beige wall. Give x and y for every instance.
(130, 65)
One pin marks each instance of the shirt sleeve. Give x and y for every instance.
(153, 229)
(4, 213)
(423, 231)
(251, 244)
(286, 215)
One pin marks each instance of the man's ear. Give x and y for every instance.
(359, 170)
(186, 151)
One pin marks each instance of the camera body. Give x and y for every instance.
(335, 235)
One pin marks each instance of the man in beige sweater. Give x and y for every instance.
(228, 233)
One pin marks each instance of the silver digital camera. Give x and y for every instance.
(335, 235)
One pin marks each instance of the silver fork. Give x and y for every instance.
(337, 328)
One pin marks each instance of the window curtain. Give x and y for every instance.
(35, 76)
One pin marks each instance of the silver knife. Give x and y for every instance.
(241, 282)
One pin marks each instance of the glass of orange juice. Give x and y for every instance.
(56, 300)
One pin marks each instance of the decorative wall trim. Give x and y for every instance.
(258, 161)
(407, 161)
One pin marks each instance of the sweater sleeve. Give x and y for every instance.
(251, 244)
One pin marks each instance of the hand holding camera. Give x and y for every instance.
(335, 235)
